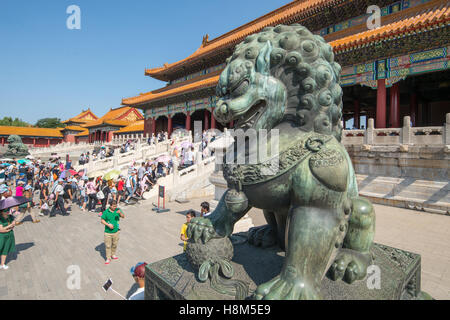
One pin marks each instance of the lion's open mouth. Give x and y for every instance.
(248, 119)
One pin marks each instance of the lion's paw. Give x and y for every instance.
(263, 236)
(281, 288)
(349, 266)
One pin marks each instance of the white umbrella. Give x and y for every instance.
(29, 157)
(6, 159)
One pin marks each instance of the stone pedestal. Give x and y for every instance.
(174, 278)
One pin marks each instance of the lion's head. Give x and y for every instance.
(284, 73)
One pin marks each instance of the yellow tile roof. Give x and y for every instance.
(121, 116)
(278, 16)
(134, 127)
(83, 133)
(156, 94)
(433, 13)
(84, 117)
(74, 128)
(31, 131)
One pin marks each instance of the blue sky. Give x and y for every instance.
(47, 70)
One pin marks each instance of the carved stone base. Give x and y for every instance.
(174, 278)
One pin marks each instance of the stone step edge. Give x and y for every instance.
(408, 203)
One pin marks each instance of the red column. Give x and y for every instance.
(213, 120)
(48, 142)
(413, 108)
(232, 124)
(169, 125)
(356, 114)
(34, 142)
(188, 121)
(206, 121)
(3, 141)
(381, 105)
(154, 125)
(394, 115)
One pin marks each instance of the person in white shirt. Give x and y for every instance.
(59, 201)
(189, 157)
(138, 274)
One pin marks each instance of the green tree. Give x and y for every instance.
(8, 121)
(49, 123)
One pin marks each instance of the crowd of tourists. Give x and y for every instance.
(43, 188)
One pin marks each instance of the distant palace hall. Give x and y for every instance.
(399, 69)
(85, 127)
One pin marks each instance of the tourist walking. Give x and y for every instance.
(131, 185)
(120, 188)
(91, 191)
(59, 200)
(43, 197)
(7, 240)
(110, 218)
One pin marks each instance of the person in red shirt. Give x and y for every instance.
(120, 188)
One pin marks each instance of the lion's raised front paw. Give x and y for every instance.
(349, 265)
(262, 236)
(280, 288)
(201, 228)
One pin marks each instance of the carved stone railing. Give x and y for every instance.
(407, 135)
(62, 148)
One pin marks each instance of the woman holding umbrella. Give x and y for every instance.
(7, 240)
(7, 223)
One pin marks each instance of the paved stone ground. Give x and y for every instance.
(45, 250)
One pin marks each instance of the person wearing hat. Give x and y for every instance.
(59, 201)
(7, 240)
(138, 274)
(4, 192)
(26, 207)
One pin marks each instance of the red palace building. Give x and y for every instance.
(399, 68)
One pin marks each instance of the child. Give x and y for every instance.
(189, 215)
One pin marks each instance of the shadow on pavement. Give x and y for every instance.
(102, 250)
(19, 248)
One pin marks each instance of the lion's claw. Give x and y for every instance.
(200, 229)
(349, 266)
